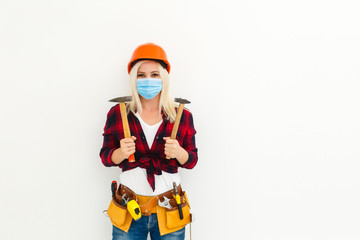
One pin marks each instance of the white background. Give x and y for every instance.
(274, 87)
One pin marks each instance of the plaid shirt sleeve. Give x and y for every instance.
(110, 143)
(189, 142)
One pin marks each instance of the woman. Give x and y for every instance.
(151, 178)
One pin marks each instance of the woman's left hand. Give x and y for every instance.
(172, 147)
(174, 150)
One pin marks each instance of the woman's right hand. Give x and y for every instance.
(127, 147)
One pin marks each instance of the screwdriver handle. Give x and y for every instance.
(113, 188)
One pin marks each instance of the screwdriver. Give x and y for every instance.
(113, 188)
(178, 201)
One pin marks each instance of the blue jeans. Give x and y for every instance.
(146, 224)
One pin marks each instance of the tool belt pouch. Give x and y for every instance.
(169, 219)
(173, 217)
(119, 215)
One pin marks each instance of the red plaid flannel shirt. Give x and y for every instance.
(154, 159)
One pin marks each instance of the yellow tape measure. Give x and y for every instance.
(134, 209)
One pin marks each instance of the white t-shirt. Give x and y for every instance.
(136, 179)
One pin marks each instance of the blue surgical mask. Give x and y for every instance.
(148, 87)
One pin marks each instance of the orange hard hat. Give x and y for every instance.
(149, 51)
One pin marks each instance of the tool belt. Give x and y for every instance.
(168, 218)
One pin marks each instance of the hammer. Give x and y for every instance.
(121, 101)
(178, 117)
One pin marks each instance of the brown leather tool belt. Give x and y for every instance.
(148, 203)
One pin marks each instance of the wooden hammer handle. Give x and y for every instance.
(126, 126)
(176, 124)
(177, 121)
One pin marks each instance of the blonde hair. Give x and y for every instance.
(166, 103)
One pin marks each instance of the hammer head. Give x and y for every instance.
(181, 100)
(121, 99)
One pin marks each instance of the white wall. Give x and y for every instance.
(274, 87)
